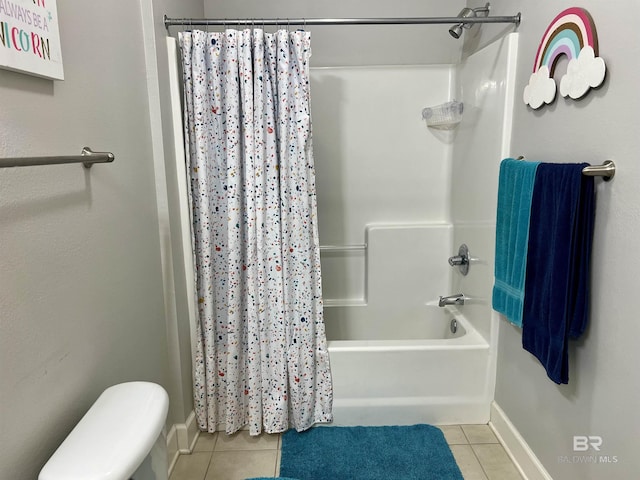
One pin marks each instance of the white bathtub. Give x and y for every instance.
(406, 367)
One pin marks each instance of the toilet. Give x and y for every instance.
(121, 437)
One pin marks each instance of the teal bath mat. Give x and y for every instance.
(368, 453)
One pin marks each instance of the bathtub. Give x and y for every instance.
(406, 366)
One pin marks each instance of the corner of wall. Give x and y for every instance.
(516, 447)
(178, 341)
(181, 439)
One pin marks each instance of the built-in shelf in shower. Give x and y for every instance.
(332, 302)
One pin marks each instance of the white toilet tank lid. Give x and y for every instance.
(114, 437)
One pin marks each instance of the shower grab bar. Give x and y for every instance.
(88, 157)
(191, 22)
(342, 248)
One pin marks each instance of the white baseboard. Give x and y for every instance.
(172, 448)
(181, 438)
(522, 456)
(187, 434)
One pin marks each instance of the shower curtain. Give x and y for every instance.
(261, 357)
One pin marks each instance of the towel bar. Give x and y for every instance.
(88, 157)
(607, 170)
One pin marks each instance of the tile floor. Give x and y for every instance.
(239, 456)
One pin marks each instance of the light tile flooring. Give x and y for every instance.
(239, 456)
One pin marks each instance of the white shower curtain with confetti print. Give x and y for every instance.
(261, 358)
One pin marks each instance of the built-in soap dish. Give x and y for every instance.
(445, 116)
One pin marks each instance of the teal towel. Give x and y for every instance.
(515, 190)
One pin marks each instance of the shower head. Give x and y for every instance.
(456, 30)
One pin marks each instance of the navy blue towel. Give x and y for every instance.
(556, 300)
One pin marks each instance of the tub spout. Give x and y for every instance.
(451, 300)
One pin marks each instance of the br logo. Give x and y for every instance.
(582, 443)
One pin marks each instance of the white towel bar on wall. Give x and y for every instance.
(88, 157)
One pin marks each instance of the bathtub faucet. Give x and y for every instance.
(451, 300)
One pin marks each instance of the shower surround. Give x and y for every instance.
(395, 199)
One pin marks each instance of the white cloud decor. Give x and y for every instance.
(541, 88)
(585, 72)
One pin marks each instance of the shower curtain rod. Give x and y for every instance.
(189, 22)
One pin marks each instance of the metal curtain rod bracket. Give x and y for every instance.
(87, 158)
(189, 22)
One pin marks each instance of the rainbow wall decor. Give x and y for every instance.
(571, 33)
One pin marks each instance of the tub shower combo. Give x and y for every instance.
(411, 334)
(405, 344)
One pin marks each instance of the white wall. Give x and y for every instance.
(81, 289)
(360, 45)
(376, 162)
(602, 395)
